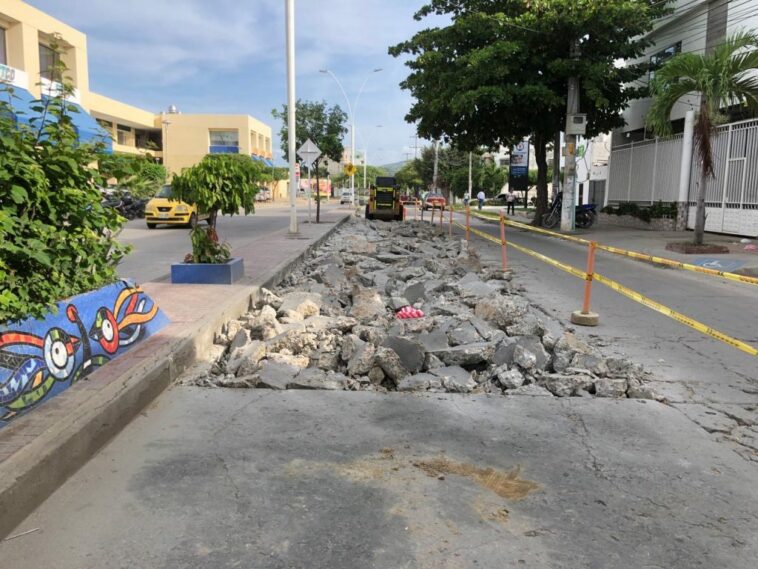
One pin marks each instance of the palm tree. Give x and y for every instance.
(723, 78)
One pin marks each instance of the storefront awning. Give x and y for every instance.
(26, 107)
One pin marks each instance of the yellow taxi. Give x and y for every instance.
(164, 208)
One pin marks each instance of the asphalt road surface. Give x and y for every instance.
(713, 383)
(155, 249)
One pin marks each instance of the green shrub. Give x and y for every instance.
(659, 210)
(55, 236)
(142, 176)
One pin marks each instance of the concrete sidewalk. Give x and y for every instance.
(41, 449)
(212, 478)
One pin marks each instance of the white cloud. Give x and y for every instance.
(160, 47)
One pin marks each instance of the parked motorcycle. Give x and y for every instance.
(124, 203)
(584, 217)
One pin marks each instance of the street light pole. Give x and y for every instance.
(351, 110)
(165, 144)
(291, 102)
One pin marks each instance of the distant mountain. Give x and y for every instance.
(393, 168)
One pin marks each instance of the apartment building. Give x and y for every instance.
(189, 136)
(694, 26)
(178, 140)
(27, 63)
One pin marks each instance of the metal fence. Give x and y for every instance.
(647, 172)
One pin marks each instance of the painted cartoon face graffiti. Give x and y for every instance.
(36, 365)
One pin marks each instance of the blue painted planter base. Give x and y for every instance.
(206, 273)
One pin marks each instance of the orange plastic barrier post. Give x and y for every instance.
(585, 317)
(503, 245)
(590, 273)
(468, 222)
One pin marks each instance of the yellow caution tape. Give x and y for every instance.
(681, 318)
(563, 266)
(626, 253)
(629, 293)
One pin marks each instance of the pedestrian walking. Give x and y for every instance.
(480, 196)
(510, 202)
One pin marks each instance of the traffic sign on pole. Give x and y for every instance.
(309, 152)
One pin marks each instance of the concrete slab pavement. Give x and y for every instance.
(40, 450)
(337, 480)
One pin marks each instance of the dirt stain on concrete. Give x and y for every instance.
(506, 484)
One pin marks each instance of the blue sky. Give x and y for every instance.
(228, 56)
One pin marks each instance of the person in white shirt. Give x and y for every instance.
(510, 201)
(481, 197)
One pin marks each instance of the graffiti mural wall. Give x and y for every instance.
(41, 358)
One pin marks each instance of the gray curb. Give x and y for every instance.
(80, 421)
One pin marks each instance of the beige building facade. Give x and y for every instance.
(27, 61)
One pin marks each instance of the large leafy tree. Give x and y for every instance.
(723, 79)
(499, 71)
(324, 125)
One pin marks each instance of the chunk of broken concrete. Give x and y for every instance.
(274, 375)
(502, 311)
(411, 352)
(455, 379)
(468, 354)
(391, 364)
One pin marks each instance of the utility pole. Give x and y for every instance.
(436, 164)
(568, 209)
(291, 102)
(415, 146)
(470, 176)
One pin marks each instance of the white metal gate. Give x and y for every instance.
(731, 200)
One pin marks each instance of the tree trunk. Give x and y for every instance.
(540, 154)
(700, 211)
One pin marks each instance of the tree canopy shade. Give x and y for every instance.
(724, 78)
(499, 71)
(315, 120)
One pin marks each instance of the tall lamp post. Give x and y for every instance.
(291, 102)
(165, 142)
(351, 110)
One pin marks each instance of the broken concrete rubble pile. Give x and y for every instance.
(332, 325)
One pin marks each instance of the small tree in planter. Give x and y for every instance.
(225, 183)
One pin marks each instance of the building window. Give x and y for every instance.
(48, 63)
(123, 134)
(224, 141)
(3, 52)
(505, 162)
(658, 59)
